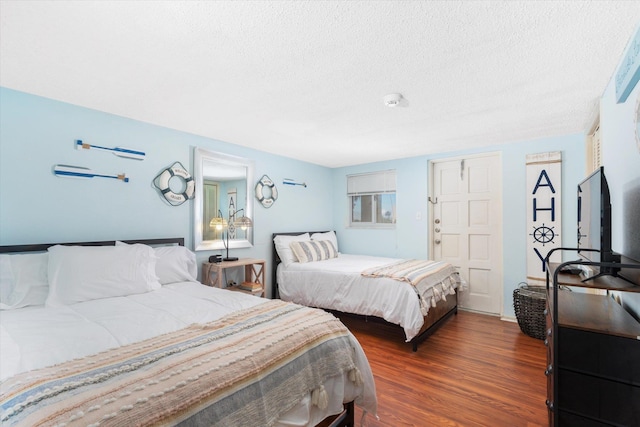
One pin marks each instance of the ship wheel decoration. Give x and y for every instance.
(543, 234)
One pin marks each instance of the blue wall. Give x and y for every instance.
(621, 159)
(410, 238)
(36, 207)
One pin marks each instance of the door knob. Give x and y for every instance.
(437, 221)
(437, 230)
(437, 242)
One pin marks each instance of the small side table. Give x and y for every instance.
(253, 273)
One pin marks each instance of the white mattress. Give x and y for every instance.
(337, 284)
(35, 337)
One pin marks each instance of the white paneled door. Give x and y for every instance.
(466, 226)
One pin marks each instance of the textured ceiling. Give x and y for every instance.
(306, 79)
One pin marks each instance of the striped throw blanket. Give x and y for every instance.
(245, 369)
(432, 280)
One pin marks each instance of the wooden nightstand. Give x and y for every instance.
(253, 273)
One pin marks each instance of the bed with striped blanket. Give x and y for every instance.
(417, 295)
(179, 353)
(246, 369)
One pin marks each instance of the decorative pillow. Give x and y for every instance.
(175, 264)
(23, 280)
(329, 235)
(314, 250)
(83, 273)
(284, 250)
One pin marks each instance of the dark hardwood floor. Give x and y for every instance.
(475, 371)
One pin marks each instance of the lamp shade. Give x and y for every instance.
(243, 222)
(218, 223)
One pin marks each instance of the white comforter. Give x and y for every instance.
(337, 284)
(35, 337)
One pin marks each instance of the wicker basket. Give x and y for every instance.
(529, 303)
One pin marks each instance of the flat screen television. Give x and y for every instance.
(594, 219)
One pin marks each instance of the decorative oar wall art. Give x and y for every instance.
(68, 171)
(288, 181)
(127, 153)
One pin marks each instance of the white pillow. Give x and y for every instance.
(329, 235)
(282, 243)
(83, 273)
(314, 250)
(175, 264)
(23, 280)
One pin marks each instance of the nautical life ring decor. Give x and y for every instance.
(266, 191)
(175, 194)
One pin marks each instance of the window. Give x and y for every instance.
(594, 150)
(372, 199)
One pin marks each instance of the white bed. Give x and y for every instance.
(338, 284)
(38, 336)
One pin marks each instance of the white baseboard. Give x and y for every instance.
(501, 316)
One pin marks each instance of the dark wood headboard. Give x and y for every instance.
(276, 258)
(40, 247)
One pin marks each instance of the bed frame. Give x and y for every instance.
(344, 419)
(432, 321)
(39, 247)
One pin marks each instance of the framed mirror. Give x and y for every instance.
(223, 188)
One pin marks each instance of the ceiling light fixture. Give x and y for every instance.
(392, 100)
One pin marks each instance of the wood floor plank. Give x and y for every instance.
(475, 371)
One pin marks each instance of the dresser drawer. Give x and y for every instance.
(598, 398)
(567, 419)
(602, 355)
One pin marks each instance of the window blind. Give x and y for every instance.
(374, 182)
(597, 149)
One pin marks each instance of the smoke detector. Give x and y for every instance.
(392, 100)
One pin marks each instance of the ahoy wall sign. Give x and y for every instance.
(544, 211)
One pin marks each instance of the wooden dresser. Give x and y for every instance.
(593, 355)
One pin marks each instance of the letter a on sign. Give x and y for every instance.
(547, 182)
(544, 219)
